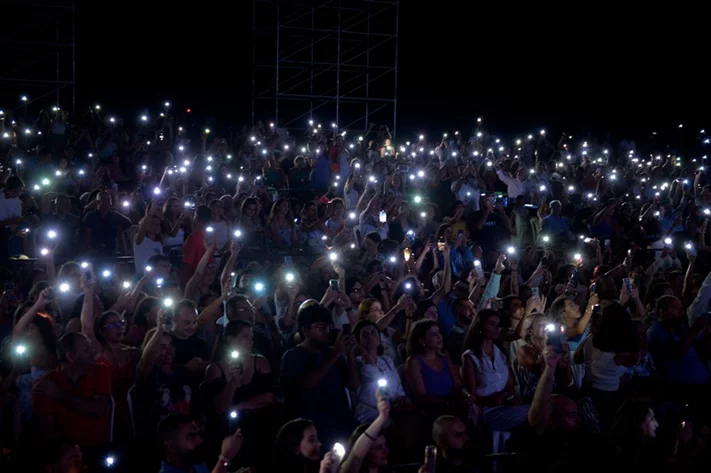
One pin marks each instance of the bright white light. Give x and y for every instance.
(126, 284)
(20, 349)
(259, 287)
(393, 259)
(511, 250)
(339, 450)
(382, 382)
(289, 277)
(44, 251)
(233, 414)
(144, 118)
(667, 241)
(237, 233)
(168, 302)
(51, 234)
(156, 191)
(84, 265)
(64, 287)
(106, 273)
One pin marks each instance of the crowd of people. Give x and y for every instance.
(317, 300)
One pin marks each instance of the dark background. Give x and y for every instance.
(573, 67)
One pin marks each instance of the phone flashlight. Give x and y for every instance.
(511, 250)
(577, 256)
(209, 230)
(339, 450)
(106, 273)
(352, 215)
(20, 349)
(332, 256)
(393, 259)
(418, 199)
(168, 302)
(149, 269)
(668, 241)
(126, 204)
(51, 234)
(546, 239)
(238, 234)
(233, 414)
(126, 284)
(408, 286)
(44, 251)
(289, 277)
(64, 287)
(156, 191)
(84, 265)
(382, 382)
(110, 461)
(259, 287)
(234, 354)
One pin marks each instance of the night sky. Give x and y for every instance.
(561, 68)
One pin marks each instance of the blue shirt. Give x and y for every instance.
(687, 369)
(555, 225)
(165, 468)
(445, 314)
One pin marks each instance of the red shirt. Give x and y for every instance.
(85, 431)
(194, 247)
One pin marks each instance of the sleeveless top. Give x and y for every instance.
(491, 375)
(437, 383)
(260, 383)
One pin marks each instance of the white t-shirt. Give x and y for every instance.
(143, 252)
(601, 371)
(366, 403)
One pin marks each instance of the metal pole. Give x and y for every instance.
(74, 60)
(276, 93)
(397, 26)
(367, 72)
(254, 58)
(311, 66)
(338, 66)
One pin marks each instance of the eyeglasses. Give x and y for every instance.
(116, 325)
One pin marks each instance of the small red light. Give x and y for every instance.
(187, 110)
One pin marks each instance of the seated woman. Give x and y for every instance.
(297, 449)
(367, 447)
(374, 367)
(487, 376)
(240, 383)
(431, 377)
(529, 363)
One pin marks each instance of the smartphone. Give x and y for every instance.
(628, 285)
(383, 217)
(574, 278)
(555, 336)
(536, 292)
(333, 284)
(593, 288)
(403, 168)
(607, 243)
(440, 243)
(288, 261)
(410, 235)
(346, 329)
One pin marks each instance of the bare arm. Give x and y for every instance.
(540, 410)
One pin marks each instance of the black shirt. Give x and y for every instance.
(186, 350)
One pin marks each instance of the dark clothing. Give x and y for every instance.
(160, 394)
(494, 232)
(105, 230)
(326, 403)
(186, 350)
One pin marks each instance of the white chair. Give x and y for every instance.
(131, 413)
(111, 420)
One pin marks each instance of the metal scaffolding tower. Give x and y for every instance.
(332, 60)
(38, 50)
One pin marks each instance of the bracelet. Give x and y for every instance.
(365, 432)
(225, 461)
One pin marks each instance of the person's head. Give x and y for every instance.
(426, 309)
(279, 207)
(166, 348)
(464, 312)
(202, 216)
(13, 187)
(314, 323)
(606, 288)
(62, 204)
(367, 335)
(338, 207)
(184, 319)
(424, 335)
(161, 265)
(377, 456)
(104, 201)
(297, 444)
(239, 336)
(555, 207)
(564, 414)
(370, 309)
(354, 290)
(180, 438)
(512, 310)
(371, 242)
(238, 307)
(564, 311)
(487, 326)
(41, 332)
(249, 208)
(450, 436)
(616, 333)
(670, 310)
(634, 422)
(217, 212)
(63, 457)
(109, 328)
(76, 351)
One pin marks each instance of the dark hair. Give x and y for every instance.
(154, 260)
(147, 304)
(663, 303)
(14, 182)
(626, 432)
(309, 315)
(557, 309)
(374, 236)
(100, 323)
(287, 442)
(179, 306)
(422, 306)
(67, 344)
(231, 304)
(614, 330)
(359, 326)
(234, 327)
(606, 288)
(475, 335)
(417, 333)
(203, 214)
(169, 425)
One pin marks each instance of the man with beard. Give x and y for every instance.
(464, 313)
(315, 373)
(454, 454)
(181, 441)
